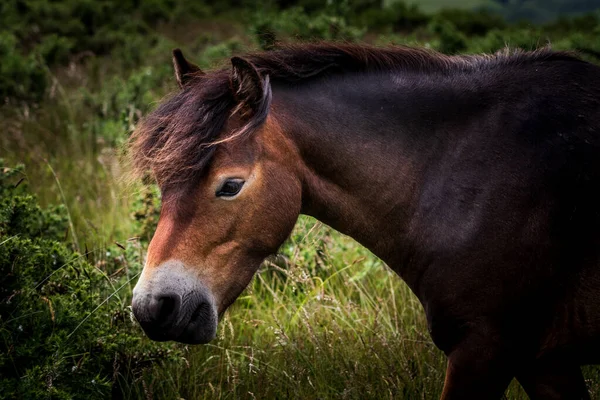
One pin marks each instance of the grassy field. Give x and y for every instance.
(325, 318)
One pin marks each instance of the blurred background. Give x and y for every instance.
(324, 319)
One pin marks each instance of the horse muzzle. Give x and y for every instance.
(170, 303)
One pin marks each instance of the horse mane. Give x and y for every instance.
(177, 140)
(296, 62)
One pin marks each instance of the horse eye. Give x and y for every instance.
(230, 188)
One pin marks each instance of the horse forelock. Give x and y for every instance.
(173, 141)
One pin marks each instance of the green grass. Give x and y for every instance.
(329, 320)
(63, 168)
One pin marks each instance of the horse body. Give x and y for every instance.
(474, 179)
(465, 190)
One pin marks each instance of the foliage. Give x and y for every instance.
(295, 23)
(398, 17)
(20, 75)
(38, 34)
(146, 212)
(59, 337)
(472, 23)
(450, 40)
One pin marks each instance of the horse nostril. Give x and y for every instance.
(163, 309)
(202, 312)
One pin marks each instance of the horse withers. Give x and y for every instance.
(475, 178)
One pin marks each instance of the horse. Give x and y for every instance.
(476, 178)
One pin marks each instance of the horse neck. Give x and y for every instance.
(364, 146)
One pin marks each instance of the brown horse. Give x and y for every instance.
(475, 178)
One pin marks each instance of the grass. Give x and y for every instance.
(67, 164)
(328, 320)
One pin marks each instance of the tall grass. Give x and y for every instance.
(326, 319)
(67, 164)
(71, 143)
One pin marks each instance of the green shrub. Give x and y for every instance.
(21, 76)
(407, 17)
(397, 17)
(40, 34)
(221, 51)
(450, 40)
(147, 211)
(473, 23)
(587, 23)
(297, 24)
(122, 101)
(494, 40)
(65, 329)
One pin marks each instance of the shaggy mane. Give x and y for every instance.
(177, 140)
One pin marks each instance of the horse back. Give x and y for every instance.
(509, 219)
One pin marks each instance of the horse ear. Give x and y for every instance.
(184, 69)
(249, 88)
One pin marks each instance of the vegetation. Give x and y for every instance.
(323, 319)
(65, 328)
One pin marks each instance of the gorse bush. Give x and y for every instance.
(38, 34)
(450, 39)
(294, 23)
(472, 23)
(65, 329)
(21, 75)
